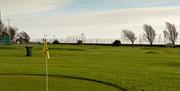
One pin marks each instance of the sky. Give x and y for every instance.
(94, 18)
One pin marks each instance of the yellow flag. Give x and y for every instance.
(45, 49)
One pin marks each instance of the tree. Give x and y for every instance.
(4, 32)
(149, 33)
(12, 32)
(7, 31)
(23, 37)
(171, 33)
(129, 35)
(2, 28)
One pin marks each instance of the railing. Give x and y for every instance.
(105, 41)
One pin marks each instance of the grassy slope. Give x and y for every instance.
(133, 68)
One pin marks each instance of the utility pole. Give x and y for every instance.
(8, 20)
(0, 8)
(54, 36)
(1, 5)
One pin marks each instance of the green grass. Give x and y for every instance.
(37, 83)
(132, 68)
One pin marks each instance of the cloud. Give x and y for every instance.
(140, 1)
(113, 17)
(93, 24)
(15, 7)
(22, 7)
(135, 15)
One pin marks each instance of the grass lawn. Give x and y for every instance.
(129, 68)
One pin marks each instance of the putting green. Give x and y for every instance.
(37, 83)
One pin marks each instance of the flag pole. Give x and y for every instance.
(46, 63)
(47, 85)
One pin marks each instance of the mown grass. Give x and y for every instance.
(132, 68)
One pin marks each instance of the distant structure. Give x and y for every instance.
(76, 38)
(5, 39)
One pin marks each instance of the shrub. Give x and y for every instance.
(169, 45)
(79, 42)
(56, 42)
(116, 43)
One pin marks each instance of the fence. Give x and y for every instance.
(74, 39)
(105, 40)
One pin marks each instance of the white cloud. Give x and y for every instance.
(17, 7)
(139, 1)
(124, 16)
(99, 24)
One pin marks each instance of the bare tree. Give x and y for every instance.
(2, 27)
(171, 33)
(4, 32)
(128, 34)
(149, 33)
(1, 24)
(12, 32)
(23, 35)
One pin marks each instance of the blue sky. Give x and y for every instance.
(84, 6)
(95, 18)
(75, 7)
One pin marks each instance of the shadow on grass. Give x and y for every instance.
(152, 48)
(72, 77)
(66, 49)
(170, 64)
(174, 64)
(151, 52)
(7, 47)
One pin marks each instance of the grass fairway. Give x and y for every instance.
(37, 83)
(129, 68)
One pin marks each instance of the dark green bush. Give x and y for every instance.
(79, 42)
(116, 43)
(56, 42)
